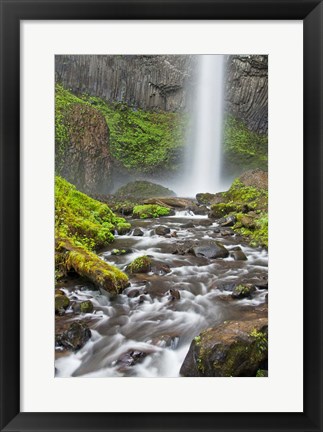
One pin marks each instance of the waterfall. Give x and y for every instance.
(205, 143)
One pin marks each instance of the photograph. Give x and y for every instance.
(161, 216)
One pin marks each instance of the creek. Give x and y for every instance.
(146, 331)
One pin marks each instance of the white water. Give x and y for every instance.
(205, 147)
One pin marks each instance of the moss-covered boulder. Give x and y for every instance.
(86, 306)
(232, 349)
(243, 291)
(150, 211)
(140, 265)
(61, 303)
(143, 189)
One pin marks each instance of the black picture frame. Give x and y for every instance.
(12, 12)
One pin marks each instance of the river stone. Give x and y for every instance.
(133, 293)
(76, 336)
(229, 221)
(137, 232)
(189, 224)
(232, 349)
(86, 306)
(174, 294)
(239, 255)
(162, 230)
(243, 291)
(61, 303)
(211, 250)
(129, 359)
(205, 222)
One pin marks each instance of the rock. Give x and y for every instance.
(226, 232)
(137, 232)
(220, 210)
(211, 250)
(229, 221)
(140, 265)
(86, 306)
(183, 248)
(239, 255)
(256, 178)
(189, 224)
(205, 198)
(61, 303)
(133, 293)
(198, 210)
(142, 298)
(129, 359)
(262, 373)
(262, 285)
(205, 222)
(119, 252)
(174, 294)
(59, 292)
(248, 222)
(75, 337)
(243, 291)
(87, 146)
(161, 269)
(162, 230)
(232, 349)
(165, 341)
(143, 189)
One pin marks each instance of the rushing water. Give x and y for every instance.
(155, 327)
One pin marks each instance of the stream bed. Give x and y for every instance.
(146, 331)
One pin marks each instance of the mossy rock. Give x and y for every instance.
(232, 349)
(89, 265)
(140, 265)
(86, 306)
(143, 189)
(243, 291)
(61, 302)
(150, 211)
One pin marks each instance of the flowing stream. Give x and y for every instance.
(145, 331)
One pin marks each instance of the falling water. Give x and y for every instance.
(204, 162)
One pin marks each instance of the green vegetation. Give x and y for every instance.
(143, 189)
(83, 220)
(150, 211)
(261, 340)
(244, 149)
(83, 224)
(140, 265)
(256, 233)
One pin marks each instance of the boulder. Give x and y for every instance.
(162, 230)
(143, 189)
(211, 250)
(61, 303)
(140, 265)
(189, 224)
(75, 337)
(238, 254)
(243, 291)
(232, 349)
(86, 306)
(137, 232)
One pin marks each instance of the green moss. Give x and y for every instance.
(90, 266)
(140, 265)
(143, 140)
(143, 189)
(261, 373)
(86, 306)
(150, 211)
(257, 233)
(261, 340)
(243, 148)
(83, 220)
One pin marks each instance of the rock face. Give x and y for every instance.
(247, 90)
(145, 81)
(232, 349)
(164, 82)
(85, 161)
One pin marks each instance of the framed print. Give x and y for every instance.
(161, 168)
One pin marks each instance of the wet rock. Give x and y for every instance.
(239, 255)
(59, 292)
(226, 286)
(205, 198)
(243, 291)
(211, 250)
(129, 359)
(226, 233)
(137, 232)
(86, 306)
(61, 303)
(262, 285)
(160, 269)
(174, 294)
(248, 221)
(229, 221)
(118, 252)
(198, 210)
(232, 349)
(165, 341)
(183, 248)
(174, 234)
(205, 222)
(162, 230)
(75, 337)
(142, 298)
(133, 293)
(189, 224)
(140, 265)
